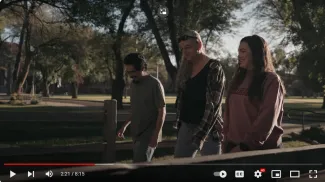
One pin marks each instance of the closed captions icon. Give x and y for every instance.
(239, 174)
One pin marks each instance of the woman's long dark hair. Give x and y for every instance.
(262, 63)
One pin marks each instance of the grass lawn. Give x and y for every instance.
(290, 102)
(45, 108)
(171, 98)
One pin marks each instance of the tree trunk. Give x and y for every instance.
(24, 73)
(323, 106)
(306, 25)
(20, 47)
(9, 79)
(45, 88)
(183, 12)
(74, 90)
(27, 62)
(117, 92)
(170, 68)
(22, 76)
(119, 83)
(173, 32)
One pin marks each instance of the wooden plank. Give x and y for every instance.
(110, 122)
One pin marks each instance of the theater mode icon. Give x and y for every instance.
(294, 174)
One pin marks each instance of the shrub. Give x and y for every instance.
(316, 133)
(34, 101)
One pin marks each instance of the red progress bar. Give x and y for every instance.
(49, 164)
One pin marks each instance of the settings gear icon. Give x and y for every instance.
(258, 174)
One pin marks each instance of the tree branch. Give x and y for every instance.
(3, 40)
(4, 5)
(207, 39)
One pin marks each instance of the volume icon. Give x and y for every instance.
(49, 174)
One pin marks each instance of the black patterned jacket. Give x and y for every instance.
(212, 122)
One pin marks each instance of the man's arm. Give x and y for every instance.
(125, 125)
(159, 100)
(160, 120)
(216, 84)
(178, 109)
(129, 118)
(128, 121)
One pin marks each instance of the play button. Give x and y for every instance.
(12, 174)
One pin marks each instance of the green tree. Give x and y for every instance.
(61, 49)
(78, 51)
(304, 22)
(107, 14)
(25, 10)
(104, 58)
(212, 19)
(229, 65)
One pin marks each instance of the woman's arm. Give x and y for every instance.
(216, 84)
(178, 109)
(225, 128)
(267, 118)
